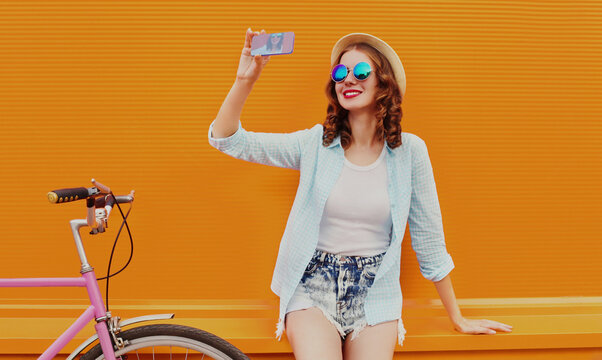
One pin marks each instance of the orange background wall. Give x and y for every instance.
(505, 94)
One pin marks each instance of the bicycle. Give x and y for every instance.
(111, 342)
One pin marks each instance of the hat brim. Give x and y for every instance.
(379, 45)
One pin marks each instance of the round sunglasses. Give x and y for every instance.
(361, 71)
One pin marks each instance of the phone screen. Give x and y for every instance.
(273, 44)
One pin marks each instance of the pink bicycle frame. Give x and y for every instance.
(95, 311)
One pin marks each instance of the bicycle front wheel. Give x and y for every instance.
(170, 341)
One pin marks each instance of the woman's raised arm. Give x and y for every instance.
(249, 69)
(228, 136)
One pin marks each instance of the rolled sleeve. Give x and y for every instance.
(227, 143)
(425, 221)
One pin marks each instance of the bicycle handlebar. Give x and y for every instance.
(71, 194)
(98, 198)
(103, 201)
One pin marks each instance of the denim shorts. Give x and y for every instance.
(337, 285)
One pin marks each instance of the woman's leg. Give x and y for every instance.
(375, 342)
(312, 336)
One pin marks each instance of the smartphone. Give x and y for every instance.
(273, 44)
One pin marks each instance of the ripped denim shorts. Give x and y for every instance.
(337, 285)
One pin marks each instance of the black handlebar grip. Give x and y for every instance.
(70, 194)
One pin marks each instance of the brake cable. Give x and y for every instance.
(124, 222)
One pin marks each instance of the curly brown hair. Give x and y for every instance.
(388, 104)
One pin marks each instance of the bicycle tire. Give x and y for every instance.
(170, 335)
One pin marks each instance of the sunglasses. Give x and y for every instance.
(361, 71)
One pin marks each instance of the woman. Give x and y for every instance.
(361, 180)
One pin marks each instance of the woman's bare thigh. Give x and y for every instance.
(312, 336)
(375, 342)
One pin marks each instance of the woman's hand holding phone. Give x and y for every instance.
(249, 67)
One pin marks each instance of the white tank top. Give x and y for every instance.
(357, 216)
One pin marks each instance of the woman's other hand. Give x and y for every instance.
(249, 67)
(480, 326)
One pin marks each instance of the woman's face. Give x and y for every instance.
(367, 88)
(275, 39)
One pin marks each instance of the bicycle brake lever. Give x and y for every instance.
(103, 188)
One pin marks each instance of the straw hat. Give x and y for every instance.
(379, 45)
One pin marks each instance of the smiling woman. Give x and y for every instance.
(362, 180)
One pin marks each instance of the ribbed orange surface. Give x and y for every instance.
(505, 94)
